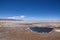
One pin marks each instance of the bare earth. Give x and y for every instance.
(16, 33)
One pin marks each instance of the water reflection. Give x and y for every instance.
(41, 29)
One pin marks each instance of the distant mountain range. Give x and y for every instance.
(11, 20)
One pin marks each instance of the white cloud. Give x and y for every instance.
(16, 17)
(11, 17)
(22, 16)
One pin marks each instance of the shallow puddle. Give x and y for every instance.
(41, 29)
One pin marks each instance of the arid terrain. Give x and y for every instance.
(16, 33)
(8, 31)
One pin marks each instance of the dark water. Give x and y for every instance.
(41, 29)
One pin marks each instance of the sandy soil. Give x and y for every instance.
(17, 33)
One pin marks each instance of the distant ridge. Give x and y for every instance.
(10, 20)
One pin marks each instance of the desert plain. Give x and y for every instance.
(13, 30)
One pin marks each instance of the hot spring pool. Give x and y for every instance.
(41, 29)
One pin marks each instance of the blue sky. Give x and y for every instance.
(32, 9)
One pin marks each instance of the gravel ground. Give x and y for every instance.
(17, 33)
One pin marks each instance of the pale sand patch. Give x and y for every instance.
(57, 30)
